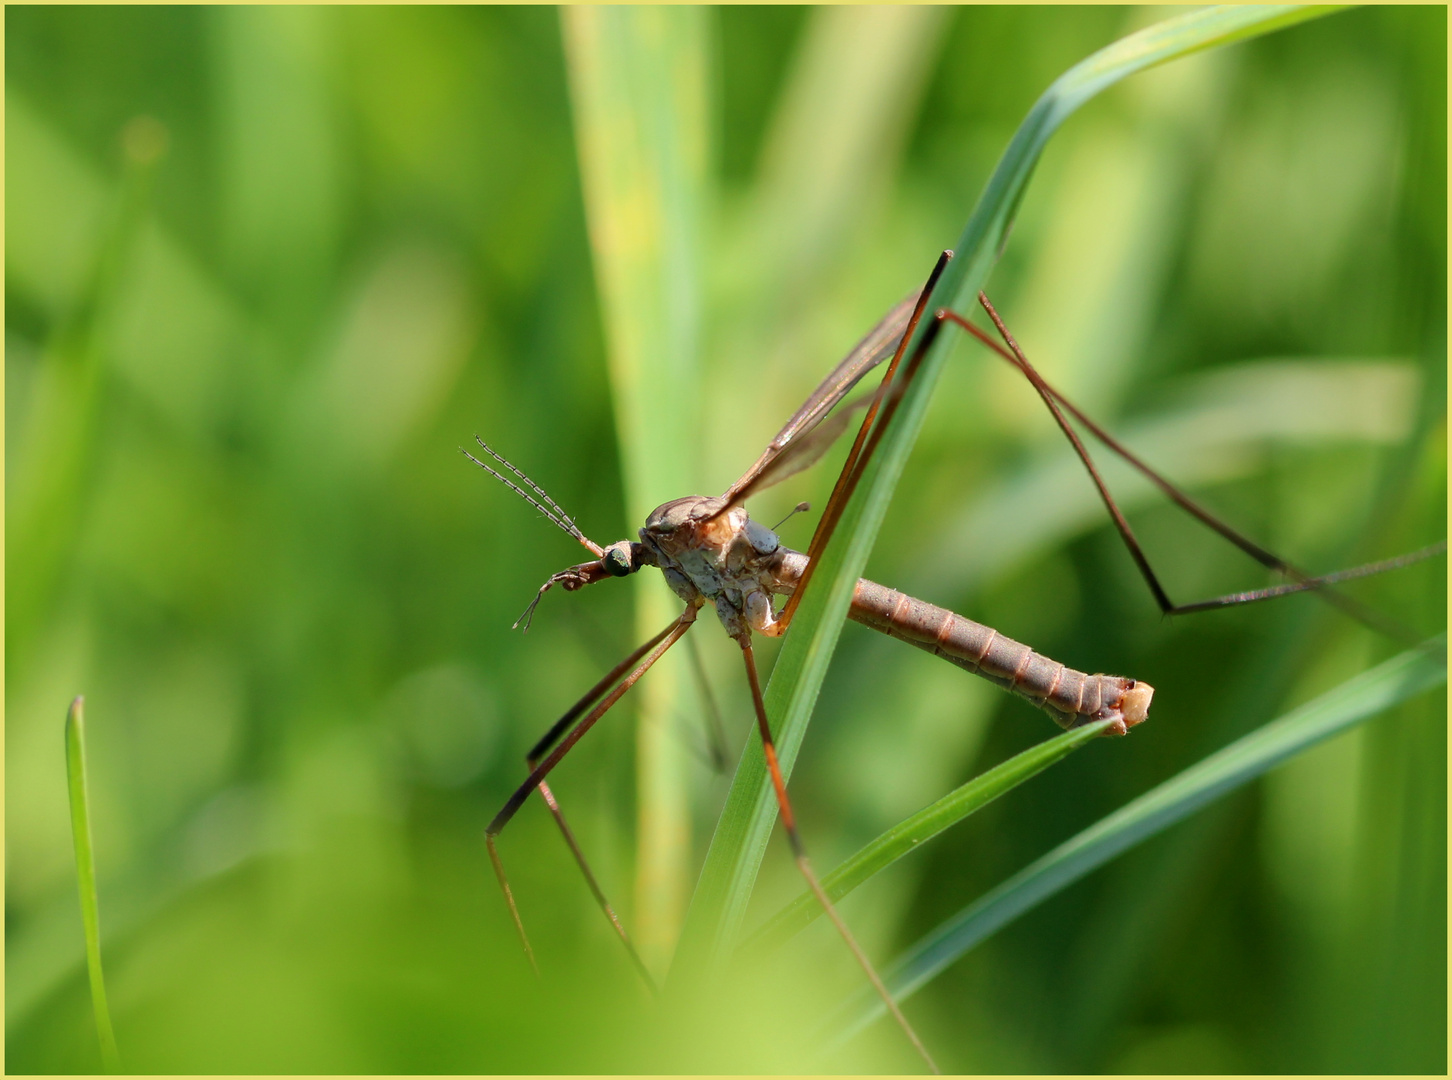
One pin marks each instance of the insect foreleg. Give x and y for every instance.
(657, 647)
(596, 891)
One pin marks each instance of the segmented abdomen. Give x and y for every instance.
(1071, 697)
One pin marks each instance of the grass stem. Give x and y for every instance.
(86, 877)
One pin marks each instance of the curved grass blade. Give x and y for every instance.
(917, 829)
(86, 877)
(729, 873)
(1358, 699)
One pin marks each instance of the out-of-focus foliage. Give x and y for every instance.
(266, 268)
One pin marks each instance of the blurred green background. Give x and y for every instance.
(267, 268)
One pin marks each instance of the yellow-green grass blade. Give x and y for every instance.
(86, 877)
(637, 84)
(726, 882)
(910, 833)
(1360, 698)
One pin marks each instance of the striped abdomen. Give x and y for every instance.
(1070, 697)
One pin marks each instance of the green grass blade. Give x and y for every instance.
(1354, 701)
(638, 87)
(739, 844)
(927, 823)
(86, 877)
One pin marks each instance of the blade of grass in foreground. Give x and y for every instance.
(731, 866)
(86, 877)
(639, 90)
(1368, 694)
(927, 823)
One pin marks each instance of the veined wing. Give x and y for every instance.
(793, 449)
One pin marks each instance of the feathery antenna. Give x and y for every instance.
(549, 508)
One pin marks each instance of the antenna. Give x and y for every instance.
(549, 508)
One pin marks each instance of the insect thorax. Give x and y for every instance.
(725, 558)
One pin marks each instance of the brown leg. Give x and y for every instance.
(657, 647)
(559, 815)
(1302, 580)
(788, 820)
(552, 736)
(888, 395)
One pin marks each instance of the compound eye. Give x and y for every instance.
(617, 563)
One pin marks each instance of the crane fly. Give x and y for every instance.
(711, 551)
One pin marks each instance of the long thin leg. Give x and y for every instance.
(539, 750)
(890, 397)
(1303, 580)
(862, 449)
(550, 737)
(657, 646)
(890, 393)
(788, 820)
(599, 893)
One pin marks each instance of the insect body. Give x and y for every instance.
(725, 558)
(710, 550)
(1071, 697)
(738, 565)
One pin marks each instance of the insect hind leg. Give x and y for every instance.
(1301, 581)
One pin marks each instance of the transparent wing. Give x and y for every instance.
(792, 450)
